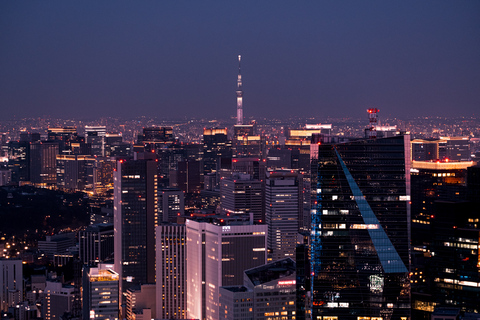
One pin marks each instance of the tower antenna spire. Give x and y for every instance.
(239, 94)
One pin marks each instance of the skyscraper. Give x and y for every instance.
(215, 147)
(240, 194)
(19, 160)
(43, 166)
(135, 218)
(360, 230)
(95, 135)
(96, 243)
(171, 204)
(171, 285)
(217, 256)
(283, 205)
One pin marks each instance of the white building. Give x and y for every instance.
(217, 255)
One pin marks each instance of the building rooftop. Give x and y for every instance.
(236, 288)
(271, 271)
(446, 311)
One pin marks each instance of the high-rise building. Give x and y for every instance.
(215, 147)
(43, 166)
(188, 176)
(457, 148)
(434, 181)
(96, 243)
(155, 137)
(424, 150)
(171, 284)
(135, 218)
(101, 294)
(76, 172)
(171, 204)
(11, 283)
(246, 143)
(255, 167)
(283, 207)
(19, 160)
(360, 230)
(217, 255)
(64, 138)
(104, 169)
(95, 135)
(451, 148)
(298, 141)
(268, 293)
(116, 147)
(453, 271)
(240, 194)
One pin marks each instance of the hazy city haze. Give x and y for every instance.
(177, 59)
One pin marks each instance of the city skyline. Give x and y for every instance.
(163, 60)
(240, 160)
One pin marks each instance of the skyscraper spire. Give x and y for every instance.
(239, 95)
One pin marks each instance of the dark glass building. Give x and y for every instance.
(215, 146)
(135, 218)
(360, 230)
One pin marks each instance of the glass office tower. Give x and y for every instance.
(360, 230)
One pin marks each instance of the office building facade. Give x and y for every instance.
(101, 294)
(96, 243)
(217, 256)
(171, 285)
(240, 194)
(283, 206)
(360, 230)
(135, 218)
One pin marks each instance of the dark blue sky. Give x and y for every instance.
(169, 58)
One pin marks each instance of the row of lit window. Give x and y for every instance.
(420, 221)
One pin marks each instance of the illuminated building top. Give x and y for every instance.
(442, 165)
(214, 131)
(97, 274)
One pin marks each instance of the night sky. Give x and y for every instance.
(88, 59)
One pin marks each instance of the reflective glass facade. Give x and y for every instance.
(360, 230)
(135, 219)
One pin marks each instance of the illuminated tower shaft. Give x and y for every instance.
(239, 95)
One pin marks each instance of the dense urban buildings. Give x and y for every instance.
(160, 195)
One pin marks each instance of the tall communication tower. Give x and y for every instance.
(372, 115)
(239, 95)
